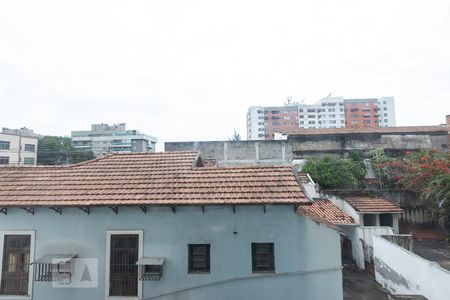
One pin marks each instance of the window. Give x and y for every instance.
(199, 258)
(16, 271)
(263, 259)
(354, 115)
(30, 147)
(366, 122)
(28, 160)
(332, 116)
(331, 110)
(385, 114)
(311, 122)
(4, 160)
(4, 145)
(124, 248)
(311, 116)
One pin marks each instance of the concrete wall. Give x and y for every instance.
(307, 254)
(402, 272)
(361, 238)
(228, 153)
(340, 144)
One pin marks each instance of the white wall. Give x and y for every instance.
(403, 272)
(17, 147)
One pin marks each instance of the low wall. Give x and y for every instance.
(232, 153)
(404, 273)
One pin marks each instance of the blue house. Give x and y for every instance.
(161, 226)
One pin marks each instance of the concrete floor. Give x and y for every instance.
(438, 251)
(358, 285)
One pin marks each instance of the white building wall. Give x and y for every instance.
(387, 112)
(404, 273)
(326, 113)
(16, 152)
(255, 123)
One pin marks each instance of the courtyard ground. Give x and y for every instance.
(358, 285)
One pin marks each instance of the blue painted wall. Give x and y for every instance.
(307, 254)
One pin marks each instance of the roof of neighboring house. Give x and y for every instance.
(325, 211)
(364, 130)
(367, 204)
(168, 178)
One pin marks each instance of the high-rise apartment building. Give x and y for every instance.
(329, 112)
(374, 112)
(103, 139)
(18, 147)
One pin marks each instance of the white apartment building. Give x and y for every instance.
(104, 139)
(18, 147)
(386, 112)
(330, 112)
(326, 113)
(255, 123)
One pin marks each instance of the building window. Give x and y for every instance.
(332, 116)
(366, 122)
(16, 274)
(263, 259)
(199, 258)
(124, 249)
(4, 160)
(311, 122)
(28, 161)
(30, 147)
(4, 145)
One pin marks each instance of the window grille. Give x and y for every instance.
(123, 271)
(199, 258)
(16, 265)
(263, 259)
(54, 267)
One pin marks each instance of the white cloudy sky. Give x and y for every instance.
(188, 70)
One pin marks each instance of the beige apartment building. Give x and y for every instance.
(18, 147)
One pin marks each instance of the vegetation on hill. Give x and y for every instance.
(56, 150)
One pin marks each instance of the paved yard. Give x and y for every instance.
(438, 251)
(358, 285)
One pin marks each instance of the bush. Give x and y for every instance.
(334, 173)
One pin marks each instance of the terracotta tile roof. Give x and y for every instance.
(324, 210)
(380, 130)
(168, 178)
(367, 204)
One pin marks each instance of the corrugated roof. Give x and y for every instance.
(169, 178)
(364, 130)
(367, 204)
(324, 210)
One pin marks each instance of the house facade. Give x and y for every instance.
(18, 147)
(161, 226)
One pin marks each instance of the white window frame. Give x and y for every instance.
(32, 235)
(140, 234)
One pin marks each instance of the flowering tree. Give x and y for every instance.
(426, 173)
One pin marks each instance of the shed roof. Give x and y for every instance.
(367, 204)
(167, 178)
(325, 211)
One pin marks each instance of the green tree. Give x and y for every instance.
(236, 136)
(335, 173)
(56, 150)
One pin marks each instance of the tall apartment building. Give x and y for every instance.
(329, 112)
(103, 139)
(375, 112)
(18, 147)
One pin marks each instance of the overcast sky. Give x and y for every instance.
(188, 70)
